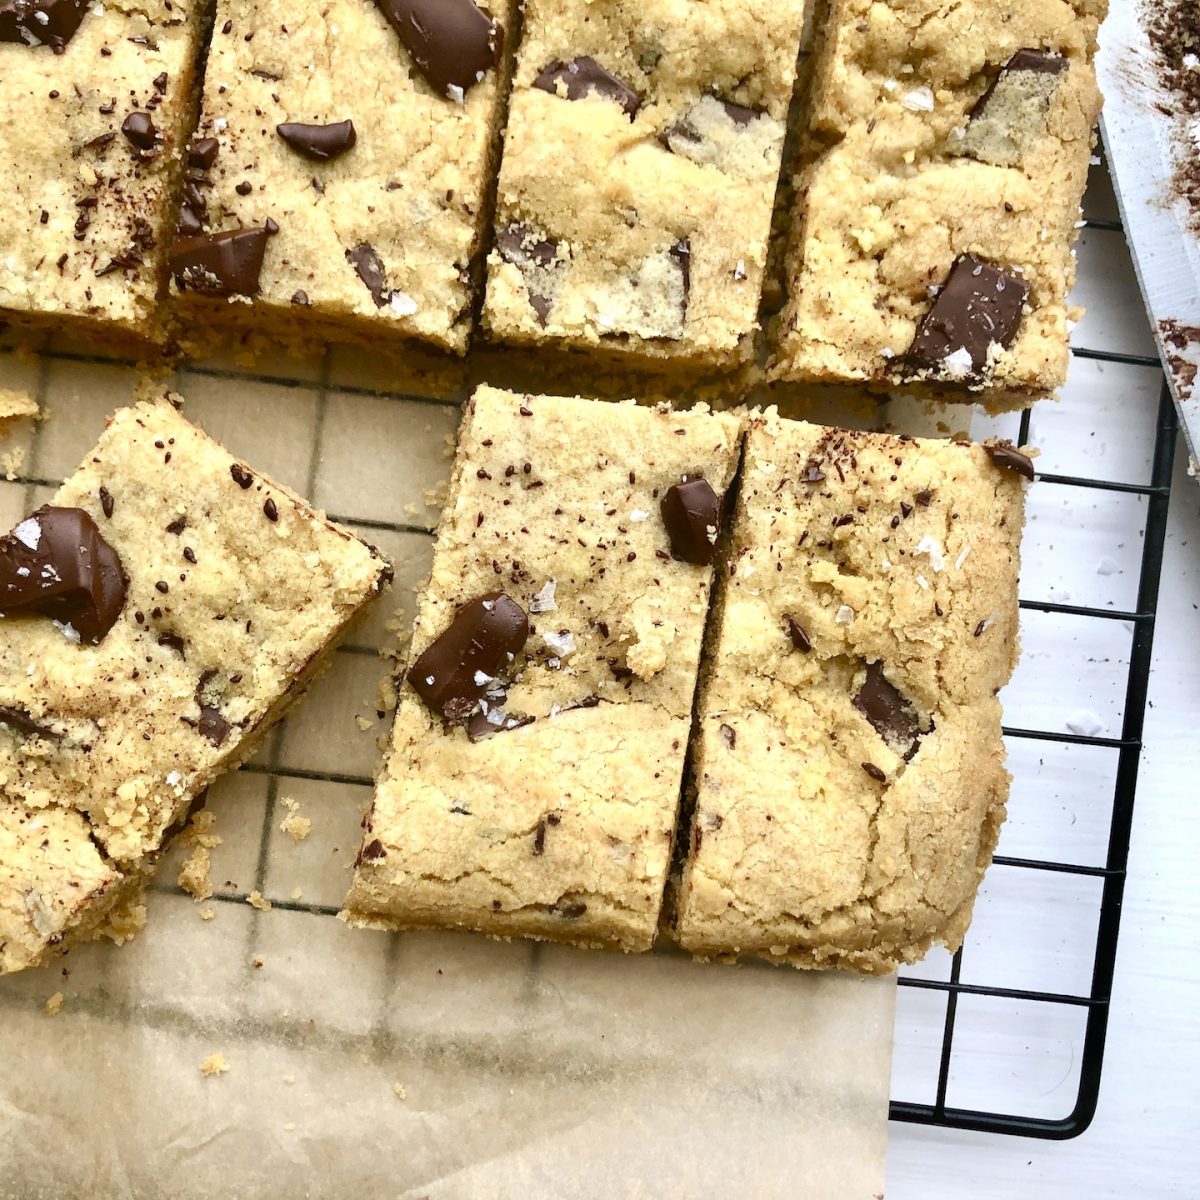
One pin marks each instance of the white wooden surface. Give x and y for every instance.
(1083, 549)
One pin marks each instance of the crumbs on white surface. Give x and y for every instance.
(15, 404)
(363, 723)
(12, 462)
(297, 893)
(194, 871)
(214, 1064)
(296, 826)
(401, 1094)
(54, 1004)
(207, 914)
(257, 900)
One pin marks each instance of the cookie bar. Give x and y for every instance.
(537, 755)
(932, 241)
(640, 163)
(100, 99)
(155, 619)
(339, 180)
(850, 780)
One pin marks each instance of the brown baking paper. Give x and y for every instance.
(364, 1064)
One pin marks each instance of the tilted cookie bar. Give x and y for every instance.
(640, 163)
(933, 231)
(98, 99)
(535, 767)
(850, 780)
(339, 180)
(155, 619)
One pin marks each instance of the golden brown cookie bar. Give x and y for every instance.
(640, 163)
(157, 617)
(340, 176)
(850, 780)
(97, 101)
(932, 236)
(536, 761)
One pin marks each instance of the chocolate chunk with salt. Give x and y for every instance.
(584, 76)
(691, 511)
(370, 269)
(980, 305)
(531, 254)
(1005, 454)
(220, 264)
(320, 143)
(41, 22)
(482, 725)
(453, 674)
(885, 706)
(454, 43)
(56, 564)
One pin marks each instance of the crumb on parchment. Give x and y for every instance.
(293, 824)
(257, 900)
(16, 404)
(401, 1094)
(54, 1004)
(194, 871)
(207, 913)
(214, 1064)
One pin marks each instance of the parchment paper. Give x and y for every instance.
(368, 1065)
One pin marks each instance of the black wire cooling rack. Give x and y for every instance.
(1128, 746)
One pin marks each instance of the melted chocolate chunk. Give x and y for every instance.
(213, 725)
(139, 130)
(571, 911)
(371, 852)
(202, 153)
(56, 564)
(18, 720)
(321, 143)
(41, 22)
(980, 305)
(453, 674)
(884, 705)
(1005, 454)
(220, 264)
(691, 511)
(520, 245)
(453, 42)
(1034, 62)
(482, 725)
(795, 631)
(370, 269)
(584, 76)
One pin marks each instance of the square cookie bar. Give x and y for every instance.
(155, 619)
(99, 98)
(850, 780)
(339, 180)
(536, 760)
(932, 243)
(640, 164)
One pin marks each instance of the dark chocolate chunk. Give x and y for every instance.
(56, 564)
(741, 114)
(241, 476)
(202, 153)
(140, 131)
(1032, 61)
(174, 641)
(681, 252)
(213, 725)
(884, 705)
(453, 42)
(584, 76)
(372, 851)
(453, 674)
(370, 269)
(21, 722)
(691, 511)
(321, 143)
(685, 135)
(876, 773)
(812, 474)
(270, 510)
(572, 911)
(980, 305)
(1005, 454)
(41, 22)
(520, 245)
(189, 224)
(795, 631)
(479, 726)
(107, 503)
(220, 264)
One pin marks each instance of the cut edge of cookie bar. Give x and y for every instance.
(237, 319)
(143, 330)
(917, 851)
(92, 891)
(530, 784)
(1018, 351)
